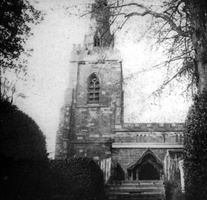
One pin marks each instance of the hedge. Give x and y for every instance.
(77, 178)
(27, 173)
(195, 149)
(23, 155)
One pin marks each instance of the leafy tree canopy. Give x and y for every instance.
(16, 18)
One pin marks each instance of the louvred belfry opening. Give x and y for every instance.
(97, 40)
(93, 89)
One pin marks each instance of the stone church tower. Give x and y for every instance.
(91, 120)
(94, 98)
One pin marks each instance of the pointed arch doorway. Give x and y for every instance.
(148, 167)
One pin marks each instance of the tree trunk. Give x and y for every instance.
(202, 72)
(199, 40)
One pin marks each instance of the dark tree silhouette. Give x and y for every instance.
(195, 149)
(20, 136)
(16, 20)
(23, 155)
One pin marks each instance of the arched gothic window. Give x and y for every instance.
(93, 89)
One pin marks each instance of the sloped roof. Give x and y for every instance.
(139, 162)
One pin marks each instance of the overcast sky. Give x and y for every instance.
(48, 70)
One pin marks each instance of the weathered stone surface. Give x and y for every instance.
(149, 137)
(93, 129)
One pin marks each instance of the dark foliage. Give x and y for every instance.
(23, 155)
(173, 191)
(77, 178)
(24, 179)
(178, 194)
(195, 149)
(20, 136)
(15, 19)
(26, 172)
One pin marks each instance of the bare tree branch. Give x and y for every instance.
(163, 16)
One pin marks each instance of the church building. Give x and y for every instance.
(92, 117)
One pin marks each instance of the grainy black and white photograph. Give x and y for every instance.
(103, 99)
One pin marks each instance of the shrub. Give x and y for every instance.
(195, 149)
(24, 179)
(20, 136)
(170, 187)
(23, 156)
(178, 195)
(27, 172)
(173, 190)
(77, 178)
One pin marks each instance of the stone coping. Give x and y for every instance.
(146, 145)
(152, 124)
(150, 127)
(90, 142)
(147, 133)
(95, 105)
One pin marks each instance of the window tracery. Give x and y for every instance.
(93, 89)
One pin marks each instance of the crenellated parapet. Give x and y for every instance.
(86, 53)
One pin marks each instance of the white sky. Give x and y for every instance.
(49, 64)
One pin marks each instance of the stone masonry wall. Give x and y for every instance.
(109, 74)
(143, 136)
(95, 123)
(62, 136)
(127, 157)
(149, 137)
